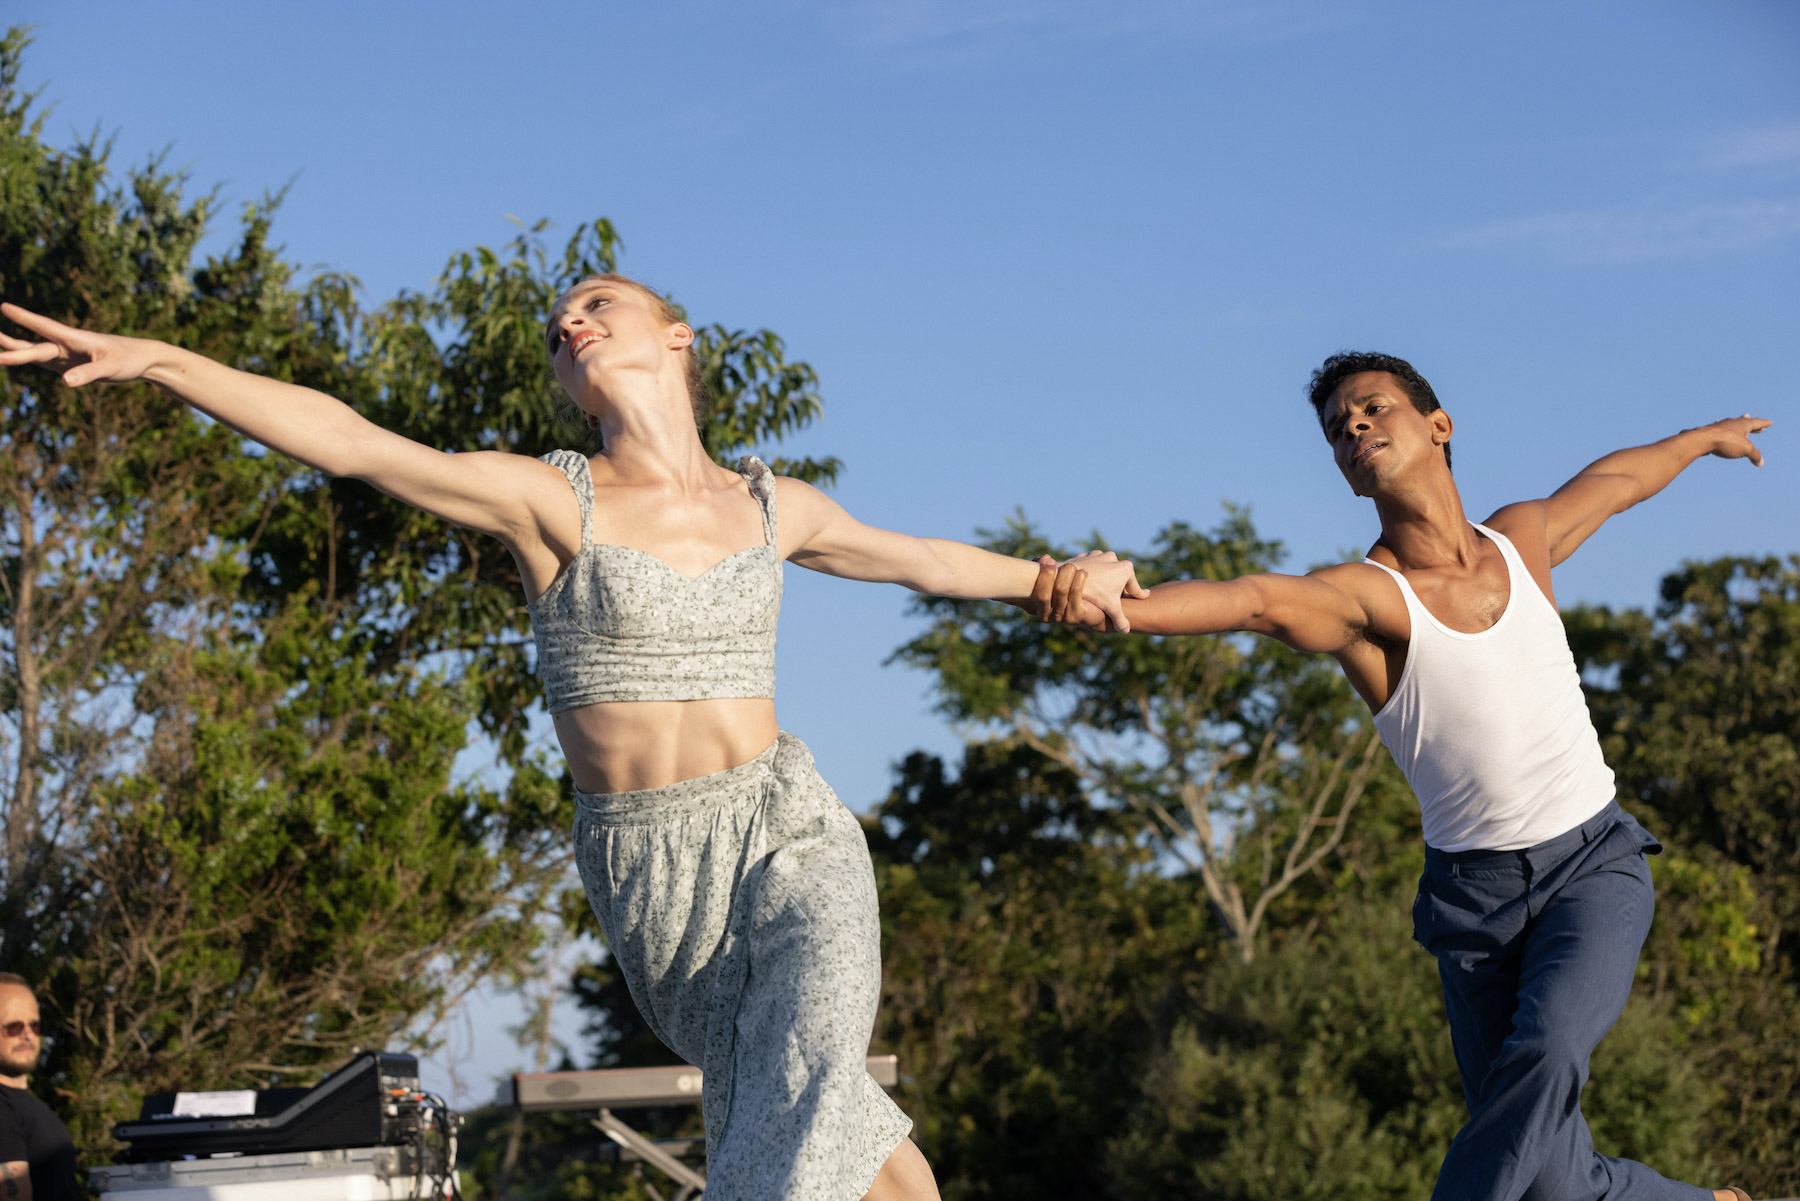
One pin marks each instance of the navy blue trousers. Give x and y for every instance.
(1537, 950)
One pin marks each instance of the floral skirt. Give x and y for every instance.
(740, 908)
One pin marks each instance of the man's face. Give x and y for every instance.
(1376, 434)
(18, 1052)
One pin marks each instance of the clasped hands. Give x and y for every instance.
(1087, 590)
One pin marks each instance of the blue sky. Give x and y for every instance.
(1074, 257)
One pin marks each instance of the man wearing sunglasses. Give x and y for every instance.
(37, 1156)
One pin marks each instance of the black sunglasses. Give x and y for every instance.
(14, 1029)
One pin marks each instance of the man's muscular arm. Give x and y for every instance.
(1609, 486)
(1312, 613)
(15, 1181)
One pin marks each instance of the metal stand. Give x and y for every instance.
(608, 1089)
(692, 1183)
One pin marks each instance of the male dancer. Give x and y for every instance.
(1536, 895)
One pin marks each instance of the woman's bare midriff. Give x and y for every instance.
(624, 746)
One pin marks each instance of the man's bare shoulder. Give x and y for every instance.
(1526, 525)
(1524, 521)
(1356, 580)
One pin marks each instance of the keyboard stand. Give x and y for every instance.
(692, 1183)
(628, 1088)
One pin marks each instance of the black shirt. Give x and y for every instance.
(31, 1133)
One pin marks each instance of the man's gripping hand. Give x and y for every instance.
(1086, 591)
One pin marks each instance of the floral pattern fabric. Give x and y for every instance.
(740, 908)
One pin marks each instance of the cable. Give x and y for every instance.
(434, 1166)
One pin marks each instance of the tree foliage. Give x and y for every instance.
(1069, 1024)
(1244, 760)
(1698, 704)
(1029, 957)
(1324, 1070)
(1698, 707)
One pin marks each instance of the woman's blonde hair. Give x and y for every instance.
(666, 312)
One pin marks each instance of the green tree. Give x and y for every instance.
(1070, 1024)
(232, 691)
(1698, 707)
(1244, 760)
(1324, 1070)
(1030, 955)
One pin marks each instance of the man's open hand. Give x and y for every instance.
(1731, 437)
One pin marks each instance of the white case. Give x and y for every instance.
(353, 1174)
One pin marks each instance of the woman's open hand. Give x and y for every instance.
(80, 356)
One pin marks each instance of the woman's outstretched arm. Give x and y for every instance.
(817, 533)
(486, 490)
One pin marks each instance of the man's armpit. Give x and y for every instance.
(1350, 618)
(1364, 634)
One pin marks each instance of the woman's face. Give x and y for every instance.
(600, 331)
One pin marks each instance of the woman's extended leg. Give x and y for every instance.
(741, 907)
(802, 1118)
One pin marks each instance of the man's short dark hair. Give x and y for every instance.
(1346, 363)
(22, 982)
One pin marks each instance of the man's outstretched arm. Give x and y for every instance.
(1311, 613)
(1609, 486)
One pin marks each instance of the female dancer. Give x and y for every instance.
(734, 889)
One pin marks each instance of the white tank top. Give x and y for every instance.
(1491, 729)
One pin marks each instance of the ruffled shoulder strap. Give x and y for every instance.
(762, 487)
(581, 478)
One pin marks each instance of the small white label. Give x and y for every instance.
(231, 1103)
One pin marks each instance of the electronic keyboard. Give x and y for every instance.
(372, 1101)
